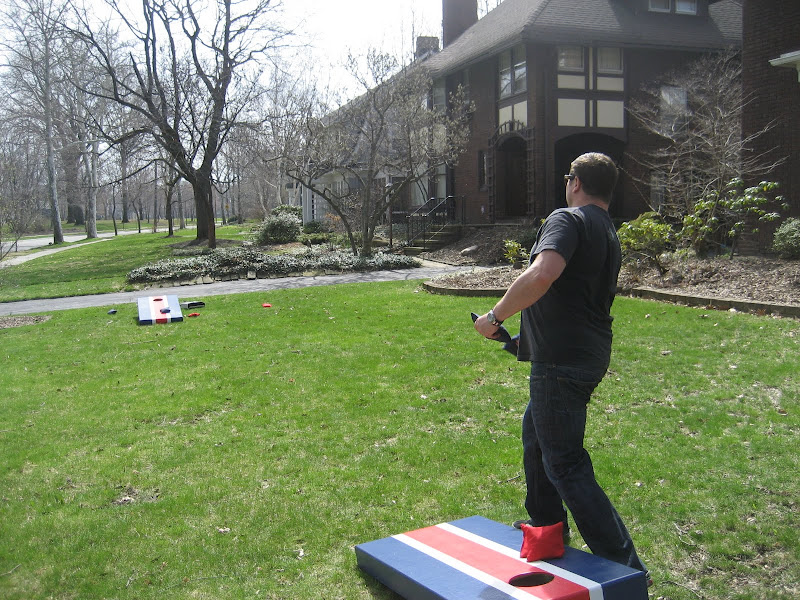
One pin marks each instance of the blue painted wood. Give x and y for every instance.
(415, 575)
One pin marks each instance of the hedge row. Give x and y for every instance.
(227, 263)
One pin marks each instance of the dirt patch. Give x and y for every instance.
(480, 245)
(21, 320)
(754, 278)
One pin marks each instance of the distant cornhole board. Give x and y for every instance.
(476, 558)
(159, 309)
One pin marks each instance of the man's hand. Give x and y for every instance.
(485, 328)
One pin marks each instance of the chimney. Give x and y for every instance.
(457, 17)
(426, 45)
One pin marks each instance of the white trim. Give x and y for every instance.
(789, 59)
(661, 10)
(595, 588)
(468, 570)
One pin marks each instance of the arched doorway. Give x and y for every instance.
(569, 148)
(511, 183)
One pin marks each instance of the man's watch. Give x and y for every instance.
(492, 319)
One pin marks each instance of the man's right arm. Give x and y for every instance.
(526, 289)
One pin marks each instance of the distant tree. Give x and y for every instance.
(35, 41)
(279, 141)
(83, 119)
(192, 77)
(360, 157)
(23, 183)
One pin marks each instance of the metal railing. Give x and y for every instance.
(430, 218)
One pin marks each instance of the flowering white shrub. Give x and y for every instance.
(237, 262)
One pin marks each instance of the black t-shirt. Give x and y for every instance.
(571, 324)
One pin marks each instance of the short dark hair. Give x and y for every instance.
(598, 174)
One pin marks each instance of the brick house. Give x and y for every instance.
(771, 75)
(550, 79)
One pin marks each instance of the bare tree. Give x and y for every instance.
(486, 6)
(362, 157)
(693, 117)
(82, 124)
(191, 78)
(269, 150)
(23, 183)
(34, 47)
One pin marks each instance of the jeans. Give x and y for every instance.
(558, 469)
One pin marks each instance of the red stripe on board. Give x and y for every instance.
(156, 304)
(496, 564)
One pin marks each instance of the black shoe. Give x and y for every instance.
(564, 535)
(518, 524)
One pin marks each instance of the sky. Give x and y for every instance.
(335, 26)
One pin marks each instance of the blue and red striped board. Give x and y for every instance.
(475, 558)
(159, 309)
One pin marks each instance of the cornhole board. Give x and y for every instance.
(159, 309)
(474, 558)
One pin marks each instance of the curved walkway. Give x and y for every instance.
(428, 270)
(22, 258)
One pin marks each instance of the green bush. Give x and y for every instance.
(645, 238)
(514, 252)
(288, 209)
(786, 240)
(315, 238)
(280, 228)
(315, 227)
(720, 217)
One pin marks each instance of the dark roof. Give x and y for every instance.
(585, 22)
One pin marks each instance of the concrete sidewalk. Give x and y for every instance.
(428, 270)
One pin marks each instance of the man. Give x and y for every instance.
(565, 296)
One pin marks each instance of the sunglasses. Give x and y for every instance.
(568, 178)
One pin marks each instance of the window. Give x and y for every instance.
(609, 60)
(682, 7)
(570, 58)
(520, 70)
(673, 100)
(513, 72)
(481, 169)
(505, 74)
(439, 95)
(440, 182)
(660, 5)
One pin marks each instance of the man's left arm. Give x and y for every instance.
(525, 291)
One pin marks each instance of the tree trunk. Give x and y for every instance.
(71, 158)
(123, 166)
(181, 216)
(168, 209)
(155, 197)
(52, 176)
(91, 170)
(203, 195)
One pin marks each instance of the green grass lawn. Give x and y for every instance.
(94, 268)
(243, 453)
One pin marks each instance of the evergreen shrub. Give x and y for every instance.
(281, 228)
(786, 240)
